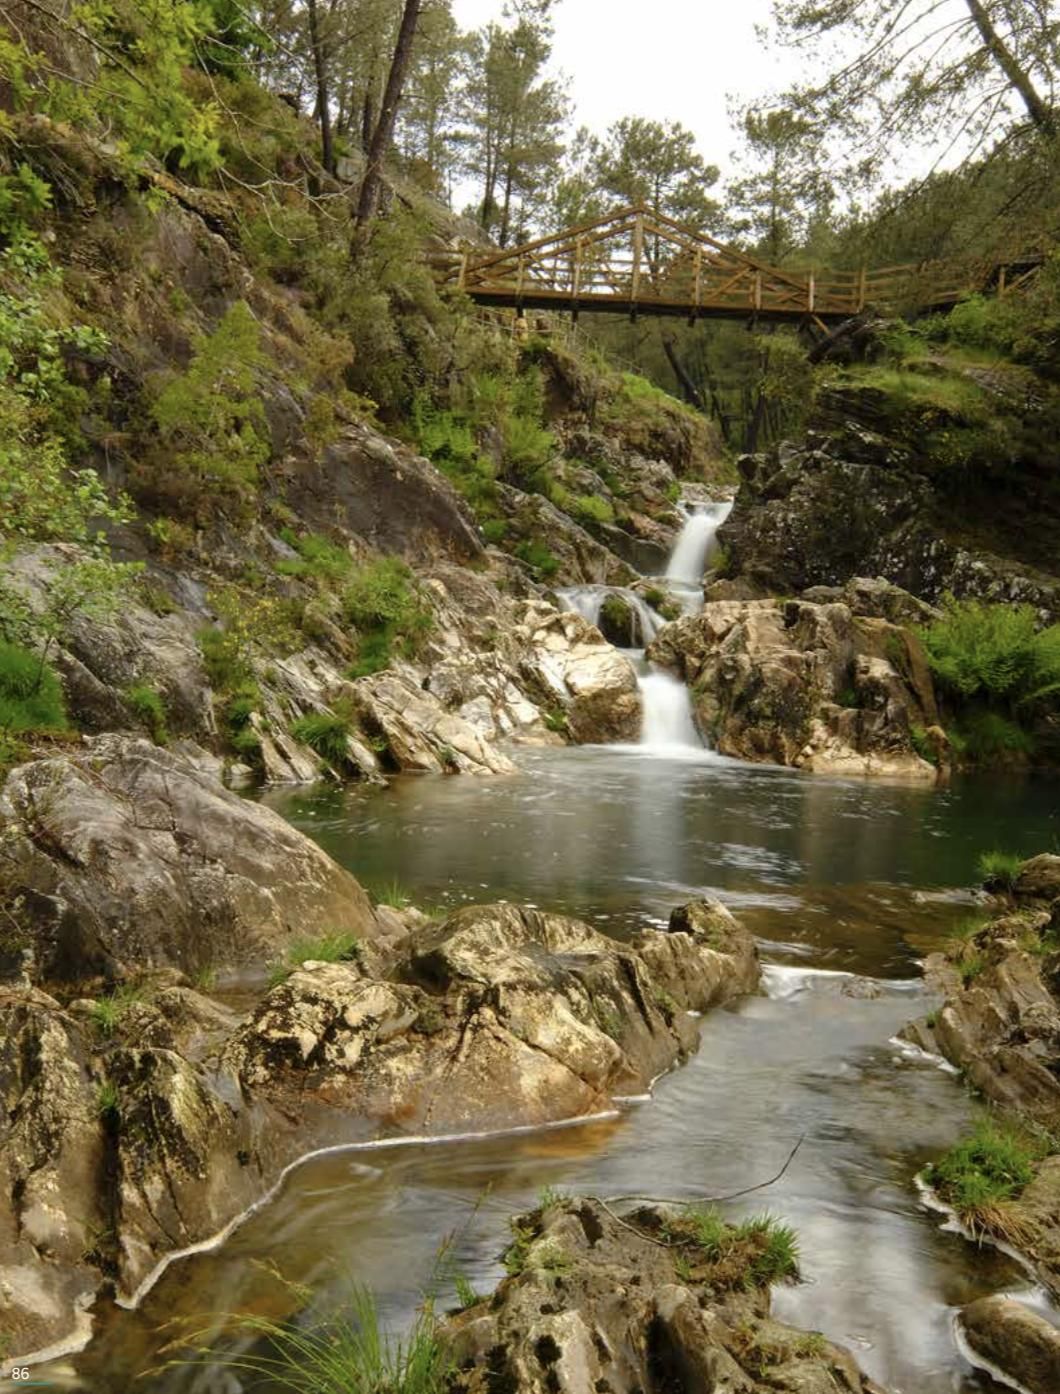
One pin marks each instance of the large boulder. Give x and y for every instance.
(548, 1019)
(570, 667)
(813, 686)
(596, 1301)
(122, 855)
(1015, 1340)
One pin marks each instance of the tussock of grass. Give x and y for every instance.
(327, 734)
(394, 895)
(336, 946)
(350, 1353)
(108, 1012)
(983, 1172)
(999, 869)
(757, 1252)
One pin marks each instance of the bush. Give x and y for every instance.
(31, 696)
(591, 508)
(149, 707)
(538, 557)
(993, 652)
(389, 610)
(318, 558)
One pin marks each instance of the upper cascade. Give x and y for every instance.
(696, 541)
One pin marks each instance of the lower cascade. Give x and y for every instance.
(668, 723)
(696, 541)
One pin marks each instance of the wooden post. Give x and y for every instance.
(519, 279)
(861, 290)
(811, 292)
(638, 253)
(462, 278)
(1001, 282)
(577, 270)
(699, 276)
(758, 290)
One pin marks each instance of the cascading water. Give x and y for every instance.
(696, 541)
(667, 724)
(588, 601)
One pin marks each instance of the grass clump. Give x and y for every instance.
(318, 559)
(350, 1353)
(756, 1252)
(333, 946)
(108, 1100)
(984, 1171)
(998, 870)
(537, 557)
(109, 1012)
(327, 734)
(31, 696)
(395, 895)
(149, 708)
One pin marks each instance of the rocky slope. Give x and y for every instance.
(142, 1114)
(634, 1304)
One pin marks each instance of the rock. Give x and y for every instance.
(129, 857)
(813, 686)
(598, 1304)
(859, 500)
(1039, 879)
(1015, 1340)
(571, 666)
(577, 557)
(500, 1015)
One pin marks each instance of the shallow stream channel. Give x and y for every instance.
(848, 885)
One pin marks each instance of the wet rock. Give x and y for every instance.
(1015, 1340)
(1039, 879)
(571, 667)
(126, 856)
(598, 1304)
(813, 686)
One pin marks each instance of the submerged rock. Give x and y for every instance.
(123, 855)
(813, 686)
(1015, 1340)
(596, 1302)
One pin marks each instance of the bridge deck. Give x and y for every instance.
(634, 261)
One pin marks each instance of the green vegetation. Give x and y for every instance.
(328, 734)
(999, 869)
(998, 670)
(319, 559)
(108, 1099)
(390, 612)
(109, 1012)
(755, 1252)
(983, 1171)
(149, 707)
(211, 425)
(334, 946)
(349, 1352)
(466, 1295)
(395, 895)
(538, 558)
(31, 696)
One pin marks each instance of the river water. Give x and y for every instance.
(835, 877)
(847, 884)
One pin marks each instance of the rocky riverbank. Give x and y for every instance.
(145, 1108)
(999, 1024)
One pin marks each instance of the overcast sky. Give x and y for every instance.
(673, 60)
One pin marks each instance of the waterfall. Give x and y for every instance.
(696, 541)
(668, 723)
(588, 601)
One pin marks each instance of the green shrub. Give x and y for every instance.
(389, 610)
(993, 652)
(31, 696)
(998, 868)
(538, 557)
(983, 1171)
(328, 734)
(591, 508)
(148, 705)
(318, 558)
(987, 735)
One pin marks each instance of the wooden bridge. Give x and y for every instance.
(637, 261)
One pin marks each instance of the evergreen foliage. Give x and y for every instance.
(31, 697)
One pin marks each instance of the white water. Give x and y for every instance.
(588, 601)
(667, 724)
(696, 541)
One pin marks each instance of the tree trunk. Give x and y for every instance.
(688, 387)
(383, 134)
(323, 100)
(1037, 109)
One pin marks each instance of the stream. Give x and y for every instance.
(847, 884)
